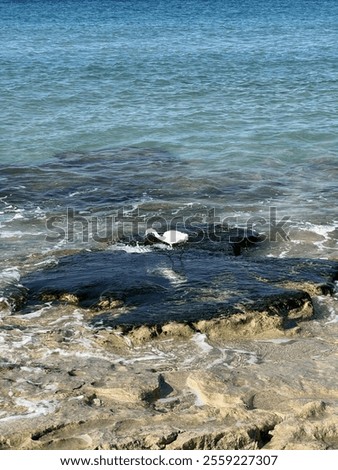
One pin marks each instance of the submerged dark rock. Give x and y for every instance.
(96, 179)
(185, 286)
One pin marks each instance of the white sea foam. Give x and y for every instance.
(18, 215)
(37, 313)
(251, 356)
(51, 261)
(323, 230)
(327, 306)
(201, 340)
(26, 339)
(276, 340)
(7, 277)
(19, 234)
(333, 311)
(229, 357)
(174, 277)
(10, 275)
(130, 249)
(144, 358)
(89, 354)
(79, 193)
(34, 409)
(76, 318)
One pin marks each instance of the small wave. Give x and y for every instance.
(129, 248)
(10, 275)
(38, 313)
(323, 230)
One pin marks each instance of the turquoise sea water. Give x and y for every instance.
(238, 97)
(226, 81)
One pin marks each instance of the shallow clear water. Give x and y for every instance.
(204, 106)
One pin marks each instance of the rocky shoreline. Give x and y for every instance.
(171, 349)
(76, 387)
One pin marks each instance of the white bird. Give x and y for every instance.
(170, 237)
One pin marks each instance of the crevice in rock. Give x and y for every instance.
(38, 435)
(265, 437)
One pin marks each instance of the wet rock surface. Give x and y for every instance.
(183, 286)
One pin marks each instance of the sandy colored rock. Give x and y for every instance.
(78, 387)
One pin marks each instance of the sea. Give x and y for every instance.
(240, 97)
